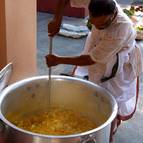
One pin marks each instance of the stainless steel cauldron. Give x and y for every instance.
(30, 96)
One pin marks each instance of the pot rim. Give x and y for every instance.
(24, 81)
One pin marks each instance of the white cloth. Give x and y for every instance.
(102, 46)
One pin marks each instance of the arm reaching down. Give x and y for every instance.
(54, 25)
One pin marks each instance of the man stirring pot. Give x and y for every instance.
(111, 57)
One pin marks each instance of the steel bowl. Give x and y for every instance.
(30, 96)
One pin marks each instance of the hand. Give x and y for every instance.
(54, 27)
(51, 60)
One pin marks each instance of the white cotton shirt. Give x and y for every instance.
(102, 46)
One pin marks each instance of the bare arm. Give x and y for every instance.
(82, 60)
(54, 25)
(60, 8)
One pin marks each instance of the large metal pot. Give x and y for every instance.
(30, 96)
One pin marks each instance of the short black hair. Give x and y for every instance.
(101, 7)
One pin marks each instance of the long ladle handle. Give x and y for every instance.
(50, 52)
(50, 70)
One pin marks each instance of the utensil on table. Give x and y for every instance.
(5, 74)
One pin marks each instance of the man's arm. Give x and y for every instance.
(54, 25)
(82, 60)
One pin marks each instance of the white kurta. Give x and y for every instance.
(103, 47)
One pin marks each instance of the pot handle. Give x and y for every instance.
(5, 74)
(88, 139)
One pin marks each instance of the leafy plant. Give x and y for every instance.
(129, 12)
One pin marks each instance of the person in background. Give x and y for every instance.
(111, 57)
